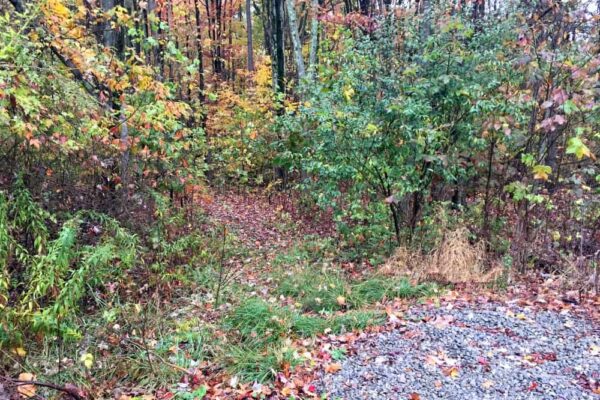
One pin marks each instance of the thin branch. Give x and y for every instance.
(73, 392)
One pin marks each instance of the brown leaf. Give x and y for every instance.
(26, 391)
(452, 372)
(333, 368)
(442, 321)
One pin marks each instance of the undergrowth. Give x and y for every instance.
(322, 291)
(326, 303)
(166, 299)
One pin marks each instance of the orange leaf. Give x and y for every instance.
(333, 368)
(452, 372)
(26, 391)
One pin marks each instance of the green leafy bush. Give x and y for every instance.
(44, 281)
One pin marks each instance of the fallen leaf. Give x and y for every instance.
(21, 352)
(487, 384)
(392, 315)
(87, 359)
(452, 372)
(333, 368)
(26, 391)
(414, 396)
(442, 321)
(341, 300)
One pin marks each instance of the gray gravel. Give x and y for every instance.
(487, 352)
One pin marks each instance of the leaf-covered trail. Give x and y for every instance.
(262, 221)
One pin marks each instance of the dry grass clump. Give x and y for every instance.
(454, 260)
(579, 273)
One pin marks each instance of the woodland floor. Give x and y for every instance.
(530, 341)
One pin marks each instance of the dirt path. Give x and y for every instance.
(263, 222)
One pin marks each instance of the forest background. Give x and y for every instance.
(172, 170)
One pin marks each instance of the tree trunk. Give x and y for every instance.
(314, 37)
(426, 19)
(297, 46)
(364, 6)
(18, 5)
(279, 46)
(199, 49)
(124, 158)
(249, 35)
(107, 32)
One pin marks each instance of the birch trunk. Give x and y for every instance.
(297, 46)
(314, 37)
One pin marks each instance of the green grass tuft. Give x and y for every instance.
(252, 364)
(355, 320)
(308, 325)
(256, 320)
(315, 290)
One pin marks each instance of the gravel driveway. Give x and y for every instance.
(487, 352)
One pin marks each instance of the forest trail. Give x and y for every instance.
(264, 222)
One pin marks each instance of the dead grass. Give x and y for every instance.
(454, 260)
(579, 273)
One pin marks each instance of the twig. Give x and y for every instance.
(71, 392)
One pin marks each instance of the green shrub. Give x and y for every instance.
(49, 279)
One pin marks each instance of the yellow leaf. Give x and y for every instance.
(88, 360)
(26, 391)
(341, 300)
(21, 352)
(58, 8)
(541, 172)
(348, 93)
(521, 316)
(452, 372)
